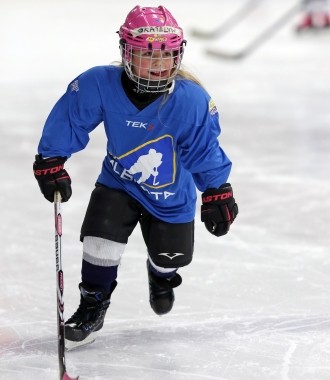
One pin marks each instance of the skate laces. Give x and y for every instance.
(87, 311)
(81, 315)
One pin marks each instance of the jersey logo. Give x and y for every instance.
(153, 163)
(212, 107)
(147, 165)
(74, 86)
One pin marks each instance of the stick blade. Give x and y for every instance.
(226, 55)
(203, 34)
(67, 377)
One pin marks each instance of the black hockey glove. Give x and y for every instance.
(51, 176)
(219, 209)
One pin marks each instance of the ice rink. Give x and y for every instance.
(255, 304)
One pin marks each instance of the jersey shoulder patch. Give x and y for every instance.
(212, 107)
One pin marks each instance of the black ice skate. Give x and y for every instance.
(90, 314)
(161, 291)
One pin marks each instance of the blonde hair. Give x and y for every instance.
(186, 74)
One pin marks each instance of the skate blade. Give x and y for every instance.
(71, 345)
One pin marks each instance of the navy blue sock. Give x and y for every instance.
(161, 274)
(98, 276)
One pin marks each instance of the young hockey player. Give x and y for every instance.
(316, 15)
(162, 129)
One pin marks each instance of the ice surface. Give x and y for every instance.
(255, 304)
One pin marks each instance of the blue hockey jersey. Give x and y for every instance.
(158, 155)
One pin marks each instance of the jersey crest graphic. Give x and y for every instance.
(153, 163)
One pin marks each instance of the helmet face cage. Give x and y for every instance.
(152, 46)
(152, 70)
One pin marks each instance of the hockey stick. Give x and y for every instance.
(261, 38)
(60, 288)
(229, 24)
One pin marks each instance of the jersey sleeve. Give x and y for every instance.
(200, 150)
(73, 117)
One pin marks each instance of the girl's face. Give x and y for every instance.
(154, 65)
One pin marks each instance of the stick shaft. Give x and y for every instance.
(59, 284)
(260, 39)
(229, 23)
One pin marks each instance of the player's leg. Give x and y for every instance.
(170, 247)
(110, 219)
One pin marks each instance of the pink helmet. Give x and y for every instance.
(150, 29)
